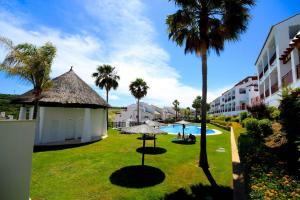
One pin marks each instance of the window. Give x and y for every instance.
(242, 91)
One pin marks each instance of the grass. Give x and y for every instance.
(101, 170)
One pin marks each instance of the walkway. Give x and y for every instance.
(238, 178)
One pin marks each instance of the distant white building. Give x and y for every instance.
(278, 63)
(236, 99)
(69, 112)
(147, 112)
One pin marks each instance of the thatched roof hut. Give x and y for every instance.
(67, 90)
(70, 111)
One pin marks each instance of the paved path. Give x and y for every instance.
(238, 178)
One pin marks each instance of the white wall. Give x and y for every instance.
(56, 124)
(16, 146)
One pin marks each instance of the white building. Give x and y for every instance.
(236, 99)
(147, 112)
(278, 63)
(69, 112)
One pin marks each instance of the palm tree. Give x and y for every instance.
(197, 106)
(106, 77)
(176, 108)
(30, 63)
(204, 25)
(138, 89)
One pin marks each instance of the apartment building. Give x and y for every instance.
(236, 99)
(146, 112)
(278, 63)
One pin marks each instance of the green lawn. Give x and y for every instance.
(84, 172)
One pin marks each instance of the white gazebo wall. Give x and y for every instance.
(56, 124)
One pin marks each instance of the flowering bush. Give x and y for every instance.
(266, 175)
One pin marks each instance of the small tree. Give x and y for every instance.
(176, 108)
(197, 106)
(30, 63)
(106, 77)
(138, 89)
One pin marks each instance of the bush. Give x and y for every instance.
(243, 115)
(290, 117)
(274, 113)
(227, 119)
(265, 127)
(235, 119)
(252, 127)
(259, 111)
(220, 117)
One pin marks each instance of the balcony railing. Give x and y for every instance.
(274, 88)
(272, 59)
(287, 79)
(267, 92)
(266, 68)
(298, 71)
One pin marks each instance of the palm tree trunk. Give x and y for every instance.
(35, 108)
(36, 102)
(107, 110)
(138, 112)
(203, 154)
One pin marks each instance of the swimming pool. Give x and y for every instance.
(189, 129)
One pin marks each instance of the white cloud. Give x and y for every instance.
(129, 45)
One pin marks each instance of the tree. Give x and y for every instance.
(197, 106)
(202, 26)
(138, 89)
(176, 108)
(187, 113)
(106, 77)
(29, 63)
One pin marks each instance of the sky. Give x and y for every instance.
(131, 35)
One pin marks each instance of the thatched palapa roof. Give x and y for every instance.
(67, 90)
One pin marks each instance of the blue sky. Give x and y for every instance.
(131, 35)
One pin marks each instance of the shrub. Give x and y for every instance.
(259, 111)
(243, 115)
(265, 127)
(227, 119)
(221, 118)
(290, 117)
(235, 119)
(274, 113)
(252, 127)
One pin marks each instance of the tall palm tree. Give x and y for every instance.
(106, 77)
(204, 25)
(30, 63)
(197, 105)
(138, 89)
(176, 108)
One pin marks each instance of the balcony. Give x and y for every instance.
(287, 79)
(267, 92)
(274, 88)
(266, 68)
(261, 75)
(272, 59)
(298, 71)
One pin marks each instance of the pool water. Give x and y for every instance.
(189, 129)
